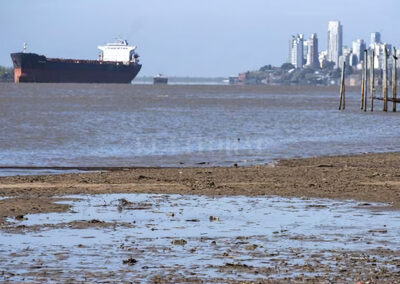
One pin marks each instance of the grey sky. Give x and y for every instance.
(188, 37)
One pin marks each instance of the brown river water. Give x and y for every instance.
(143, 125)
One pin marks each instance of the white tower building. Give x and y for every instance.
(375, 38)
(297, 50)
(358, 49)
(335, 42)
(379, 49)
(312, 55)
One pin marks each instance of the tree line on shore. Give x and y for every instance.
(287, 74)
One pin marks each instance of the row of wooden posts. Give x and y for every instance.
(364, 83)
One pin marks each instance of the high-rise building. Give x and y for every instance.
(289, 59)
(353, 60)
(375, 38)
(379, 49)
(297, 51)
(335, 42)
(358, 50)
(312, 55)
(346, 56)
(322, 57)
(305, 51)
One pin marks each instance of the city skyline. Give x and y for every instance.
(305, 53)
(177, 38)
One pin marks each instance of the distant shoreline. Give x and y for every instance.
(261, 88)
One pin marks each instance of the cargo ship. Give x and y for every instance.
(118, 63)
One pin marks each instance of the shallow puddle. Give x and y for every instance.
(143, 236)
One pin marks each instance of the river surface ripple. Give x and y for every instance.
(137, 125)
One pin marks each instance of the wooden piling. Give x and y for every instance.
(344, 84)
(362, 85)
(342, 102)
(394, 80)
(365, 79)
(372, 79)
(385, 80)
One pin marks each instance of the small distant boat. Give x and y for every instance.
(160, 80)
(233, 80)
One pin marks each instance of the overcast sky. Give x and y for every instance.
(188, 37)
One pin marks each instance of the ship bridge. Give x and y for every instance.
(118, 51)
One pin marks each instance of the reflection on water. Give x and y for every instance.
(21, 172)
(198, 235)
(128, 125)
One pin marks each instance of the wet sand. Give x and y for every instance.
(369, 178)
(191, 238)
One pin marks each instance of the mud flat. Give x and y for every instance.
(192, 238)
(311, 220)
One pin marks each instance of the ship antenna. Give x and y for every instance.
(119, 38)
(24, 47)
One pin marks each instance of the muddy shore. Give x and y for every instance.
(369, 178)
(366, 178)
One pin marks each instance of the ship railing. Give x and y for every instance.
(77, 61)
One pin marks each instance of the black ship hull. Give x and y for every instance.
(31, 67)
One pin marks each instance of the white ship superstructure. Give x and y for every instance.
(118, 51)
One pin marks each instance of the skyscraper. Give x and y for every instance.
(335, 42)
(358, 49)
(305, 51)
(297, 51)
(322, 58)
(379, 49)
(289, 60)
(375, 38)
(345, 57)
(312, 55)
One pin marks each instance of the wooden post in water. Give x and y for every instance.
(342, 103)
(394, 80)
(365, 79)
(385, 80)
(372, 79)
(344, 84)
(362, 85)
